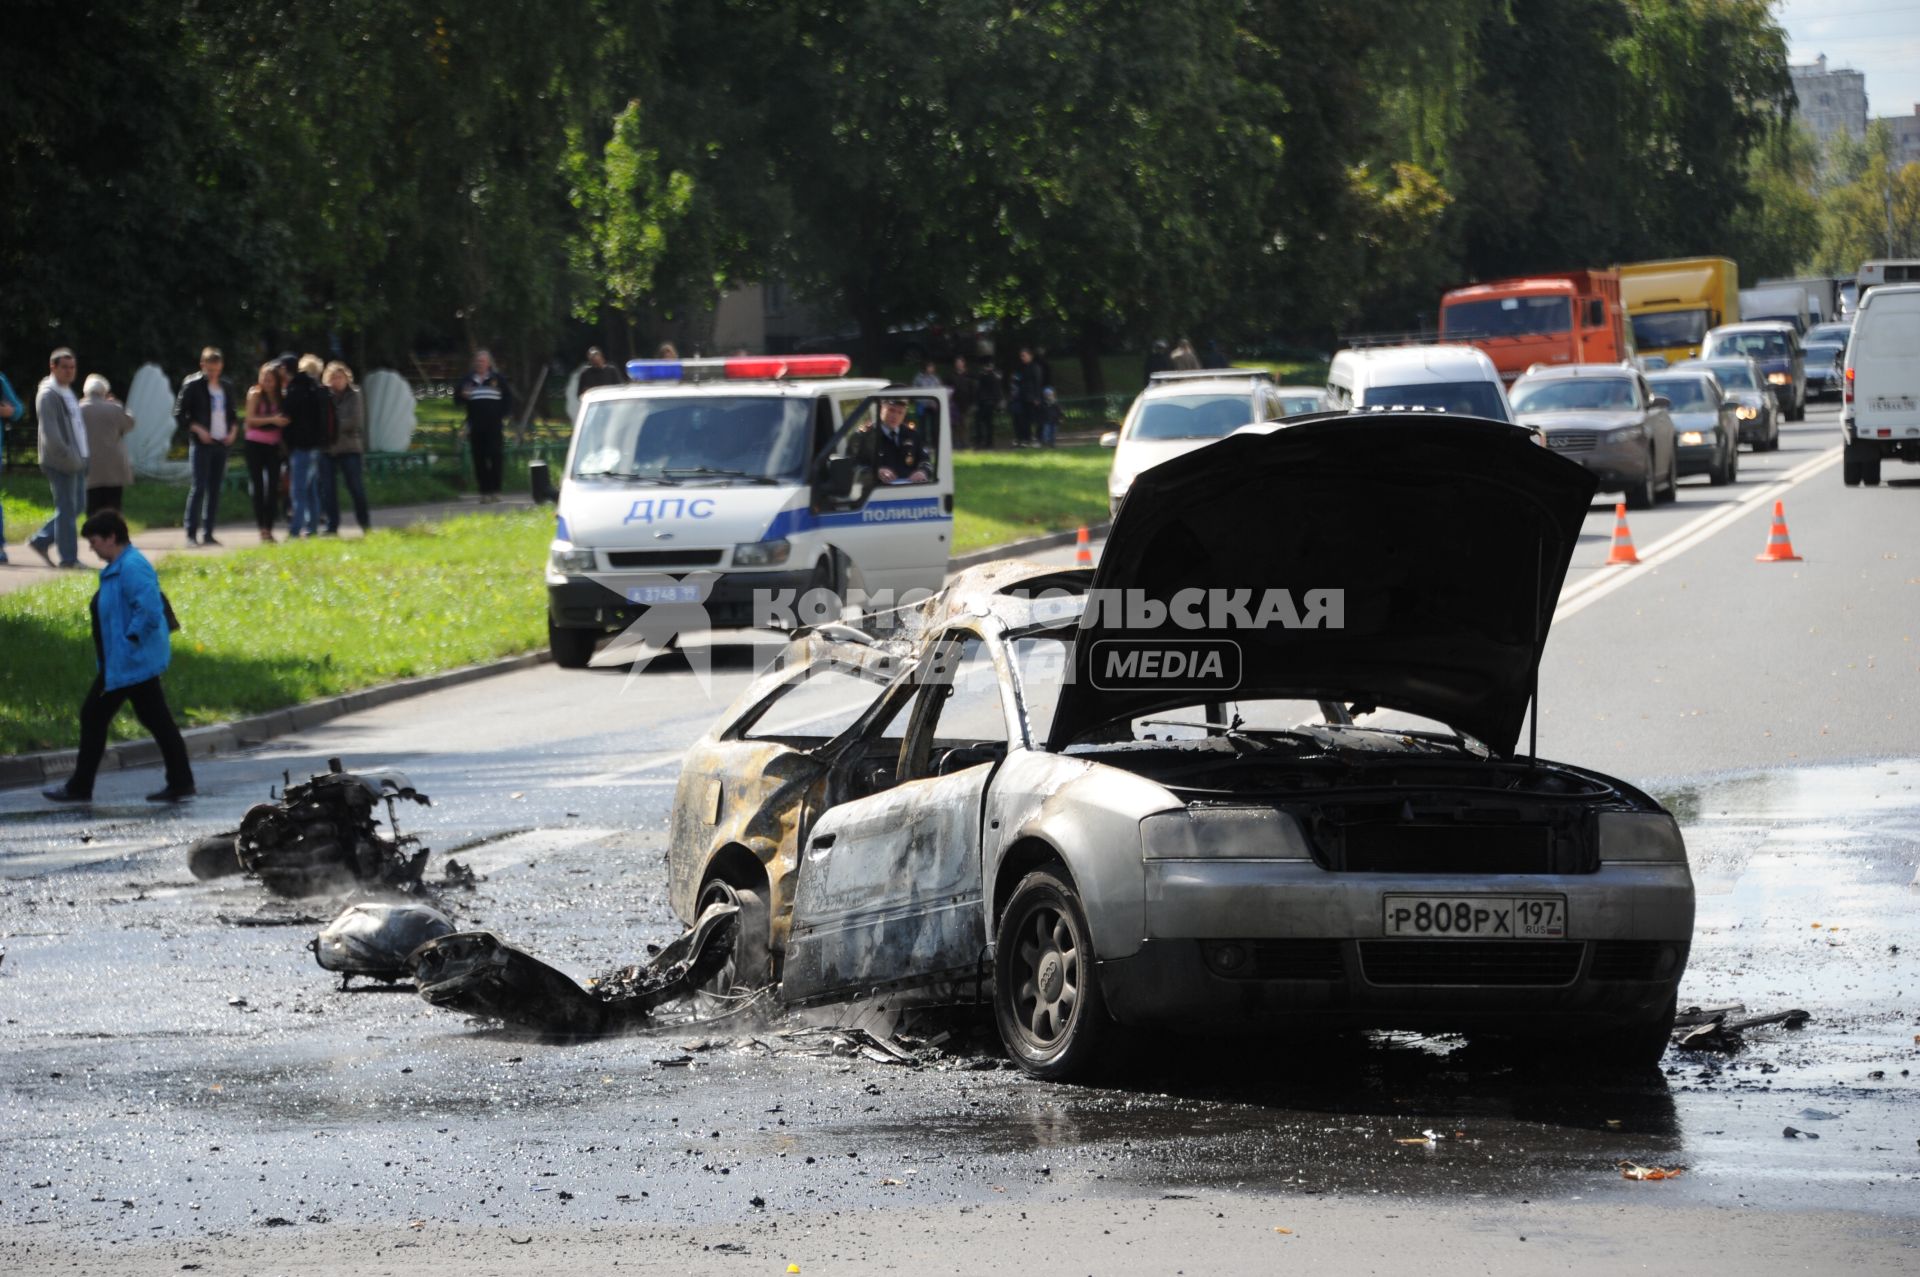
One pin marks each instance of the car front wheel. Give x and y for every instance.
(1641, 495)
(1046, 992)
(749, 964)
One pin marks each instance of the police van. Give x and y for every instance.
(745, 491)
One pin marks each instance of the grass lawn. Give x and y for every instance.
(1005, 496)
(280, 625)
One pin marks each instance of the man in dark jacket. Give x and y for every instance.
(211, 413)
(599, 372)
(489, 401)
(309, 432)
(964, 389)
(1028, 395)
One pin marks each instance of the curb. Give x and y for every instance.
(1014, 549)
(36, 769)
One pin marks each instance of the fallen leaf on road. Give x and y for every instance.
(1284, 1232)
(1633, 1170)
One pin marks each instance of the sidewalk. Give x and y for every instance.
(25, 567)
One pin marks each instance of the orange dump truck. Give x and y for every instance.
(1571, 318)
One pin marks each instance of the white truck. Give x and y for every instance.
(1822, 292)
(756, 491)
(1784, 300)
(1880, 402)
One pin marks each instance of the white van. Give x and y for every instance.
(1442, 378)
(1880, 399)
(718, 493)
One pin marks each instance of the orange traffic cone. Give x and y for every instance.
(1622, 551)
(1779, 547)
(1083, 553)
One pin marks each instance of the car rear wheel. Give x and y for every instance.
(749, 965)
(1641, 495)
(571, 649)
(1773, 433)
(1722, 473)
(1046, 991)
(1673, 475)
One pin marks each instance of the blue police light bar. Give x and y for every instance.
(655, 369)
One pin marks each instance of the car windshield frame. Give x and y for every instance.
(1167, 417)
(1458, 398)
(1665, 329)
(1574, 394)
(1699, 386)
(744, 438)
(1726, 370)
(1750, 345)
(1514, 315)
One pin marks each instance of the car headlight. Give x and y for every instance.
(1641, 836)
(1247, 833)
(761, 554)
(1778, 378)
(1745, 413)
(1692, 436)
(571, 560)
(1625, 434)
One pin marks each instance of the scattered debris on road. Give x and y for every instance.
(376, 939)
(479, 973)
(1795, 1133)
(1633, 1170)
(1718, 1029)
(322, 836)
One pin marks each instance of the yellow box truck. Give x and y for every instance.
(1671, 305)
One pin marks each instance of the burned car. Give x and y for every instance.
(1260, 769)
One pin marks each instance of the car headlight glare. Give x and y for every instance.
(761, 554)
(1778, 379)
(1641, 836)
(1746, 413)
(1692, 436)
(570, 560)
(1227, 833)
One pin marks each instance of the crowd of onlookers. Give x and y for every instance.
(980, 392)
(300, 428)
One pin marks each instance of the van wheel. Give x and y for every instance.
(571, 649)
(1046, 988)
(1849, 472)
(1870, 472)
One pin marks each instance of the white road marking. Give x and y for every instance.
(1688, 535)
(625, 776)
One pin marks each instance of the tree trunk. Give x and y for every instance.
(1092, 371)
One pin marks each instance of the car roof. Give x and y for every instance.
(1214, 382)
(785, 388)
(1559, 372)
(1755, 326)
(1444, 359)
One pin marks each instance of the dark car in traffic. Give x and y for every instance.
(1608, 420)
(1745, 386)
(1775, 346)
(1706, 427)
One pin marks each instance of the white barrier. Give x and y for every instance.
(390, 411)
(149, 399)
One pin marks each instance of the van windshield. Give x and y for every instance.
(1468, 398)
(1507, 317)
(699, 439)
(1192, 417)
(1669, 328)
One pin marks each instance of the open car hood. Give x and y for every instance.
(1440, 543)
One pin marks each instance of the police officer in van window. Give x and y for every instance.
(898, 456)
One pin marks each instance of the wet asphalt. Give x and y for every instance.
(174, 1068)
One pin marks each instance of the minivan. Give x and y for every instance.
(1880, 401)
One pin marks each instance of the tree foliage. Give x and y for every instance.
(381, 177)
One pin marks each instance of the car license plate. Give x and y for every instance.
(1476, 917)
(1902, 404)
(664, 594)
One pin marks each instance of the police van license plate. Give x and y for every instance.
(1476, 917)
(664, 594)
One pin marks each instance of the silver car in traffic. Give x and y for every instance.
(1607, 419)
(1222, 782)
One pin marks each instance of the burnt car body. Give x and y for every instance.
(1025, 801)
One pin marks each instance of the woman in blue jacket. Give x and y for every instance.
(131, 645)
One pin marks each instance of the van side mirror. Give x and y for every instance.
(1110, 439)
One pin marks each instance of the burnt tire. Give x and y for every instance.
(1046, 984)
(1635, 1048)
(214, 856)
(571, 649)
(749, 963)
